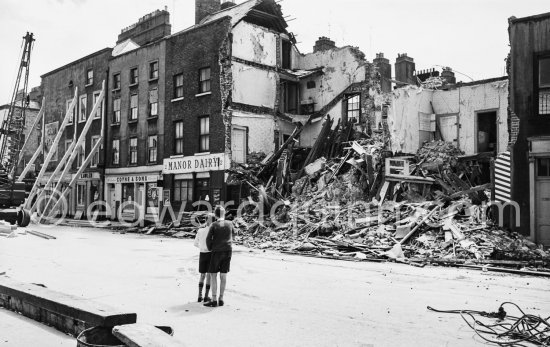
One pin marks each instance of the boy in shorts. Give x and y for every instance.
(204, 260)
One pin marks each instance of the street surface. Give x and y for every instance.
(271, 300)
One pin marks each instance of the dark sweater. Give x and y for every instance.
(220, 236)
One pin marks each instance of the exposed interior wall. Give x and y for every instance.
(255, 43)
(260, 130)
(341, 68)
(253, 86)
(467, 101)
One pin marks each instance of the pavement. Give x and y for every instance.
(272, 299)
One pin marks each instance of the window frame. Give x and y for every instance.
(150, 149)
(95, 159)
(132, 151)
(153, 105)
(116, 112)
(541, 88)
(178, 88)
(89, 79)
(358, 109)
(207, 81)
(153, 73)
(116, 81)
(99, 113)
(133, 111)
(115, 158)
(179, 188)
(67, 104)
(178, 140)
(133, 80)
(204, 135)
(80, 118)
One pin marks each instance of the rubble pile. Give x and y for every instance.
(354, 207)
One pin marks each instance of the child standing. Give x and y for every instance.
(204, 260)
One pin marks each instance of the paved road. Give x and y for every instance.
(272, 299)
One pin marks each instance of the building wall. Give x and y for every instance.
(253, 86)
(403, 120)
(529, 37)
(145, 126)
(255, 43)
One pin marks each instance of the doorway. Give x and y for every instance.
(486, 132)
(542, 200)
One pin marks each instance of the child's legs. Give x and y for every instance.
(214, 285)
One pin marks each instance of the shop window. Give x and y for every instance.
(133, 150)
(134, 76)
(204, 80)
(80, 194)
(128, 196)
(68, 105)
(203, 189)
(183, 190)
(153, 102)
(543, 167)
(178, 86)
(99, 111)
(89, 77)
(82, 108)
(133, 107)
(116, 111)
(152, 148)
(152, 196)
(353, 108)
(544, 86)
(95, 157)
(178, 128)
(204, 137)
(116, 81)
(154, 70)
(116, 152)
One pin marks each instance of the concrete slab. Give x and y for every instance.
(144, 335)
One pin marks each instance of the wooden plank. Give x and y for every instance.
(144, 335)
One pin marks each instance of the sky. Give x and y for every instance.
(470, 36)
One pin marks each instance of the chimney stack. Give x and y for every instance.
(204, 8)
(404, 69)
(384, 68)
(151, 27)
(323, 44)
(448, 75)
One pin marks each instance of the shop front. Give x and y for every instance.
(133, 196)
(195, 178)
(87, 190)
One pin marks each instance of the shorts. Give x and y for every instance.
(204, 262)
(220, 262)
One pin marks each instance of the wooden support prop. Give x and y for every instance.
(418, 225)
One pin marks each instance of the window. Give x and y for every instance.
(543, 167)
(204, 138)
(95, 158)
(204, 80)
(133, 150)
(116, 111)
(152, 148)
(183, 190)
(71, 118)
(153, 102)
(89, 77)
(133, 76)
(67, 145)
(544, 86)
(82, 108)
(81, 154)
(133, 107)
(99, 112)
(178, 86)
(154, 70)
(80, 191)
(116, 81)
(116, 152)
(353, 108)
(310, 84)
(178, 128)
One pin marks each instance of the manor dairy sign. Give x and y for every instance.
(196, 163)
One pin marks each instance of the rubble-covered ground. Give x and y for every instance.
(272, 299)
